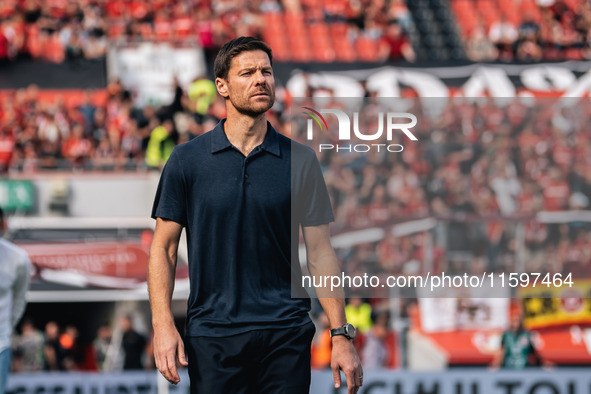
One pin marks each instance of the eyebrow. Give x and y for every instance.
(263, 68)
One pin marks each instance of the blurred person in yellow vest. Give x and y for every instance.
(359, 314)
(160, 144)
(202, 92)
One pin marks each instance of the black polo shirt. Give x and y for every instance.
(241, 235)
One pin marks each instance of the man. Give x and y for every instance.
(14, 282)
(517, 350)
(133, 344)
(234, 190)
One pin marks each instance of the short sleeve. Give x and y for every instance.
(313, 201)
(171, 196)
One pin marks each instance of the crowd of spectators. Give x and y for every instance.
(554, 30)
(485, 169)
(108, 135)
(122, 347)
(493, 164)
(59, 348)
(343, 30)
(70, 30)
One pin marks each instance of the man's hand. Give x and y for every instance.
(344, 358)
(168, 351)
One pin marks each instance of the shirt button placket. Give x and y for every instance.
(244, 165)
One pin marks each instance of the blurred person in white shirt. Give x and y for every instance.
(15, 269)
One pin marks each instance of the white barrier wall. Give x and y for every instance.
(469, 381)
(95, 194)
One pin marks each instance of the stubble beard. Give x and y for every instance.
(246, 107)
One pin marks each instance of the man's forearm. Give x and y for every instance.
(322, 262)
(335, 311)
(161, 272)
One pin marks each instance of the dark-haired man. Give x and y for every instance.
(234, 189)
(14, 282)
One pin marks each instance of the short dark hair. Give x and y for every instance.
(233, 48)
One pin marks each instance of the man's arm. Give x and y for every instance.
(168, 344)
(322, 261)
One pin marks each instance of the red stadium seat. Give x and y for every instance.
(323, 51)
(294, 18)
(338, 30)
(300, 49)
(344, 51)
(367, 49)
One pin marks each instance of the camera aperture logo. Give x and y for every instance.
(391, 119)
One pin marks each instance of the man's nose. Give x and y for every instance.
(260, 78)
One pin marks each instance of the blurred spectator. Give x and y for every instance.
(529, 29)
(30, 345)
(94, 47)
(14, 283)
(517, 349)
(379, 346)
(73, 356)
(160, 145)
(77, 148)
(358, 313)
(397, 44)
(503, 35)
(55, 354)
(202, 92)
(101, 345)
(133, 345)
(529, 50)
(479, 48)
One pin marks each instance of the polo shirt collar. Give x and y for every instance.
(219, 140)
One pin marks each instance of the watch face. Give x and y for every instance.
(350, 331)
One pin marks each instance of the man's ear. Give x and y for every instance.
(222, 86)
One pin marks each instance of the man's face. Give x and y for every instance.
(250, 85)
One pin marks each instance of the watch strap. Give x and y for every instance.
(338, 331)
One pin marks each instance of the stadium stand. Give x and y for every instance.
(526, 30)
(323, 32)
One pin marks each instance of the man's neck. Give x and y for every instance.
(245, 132)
